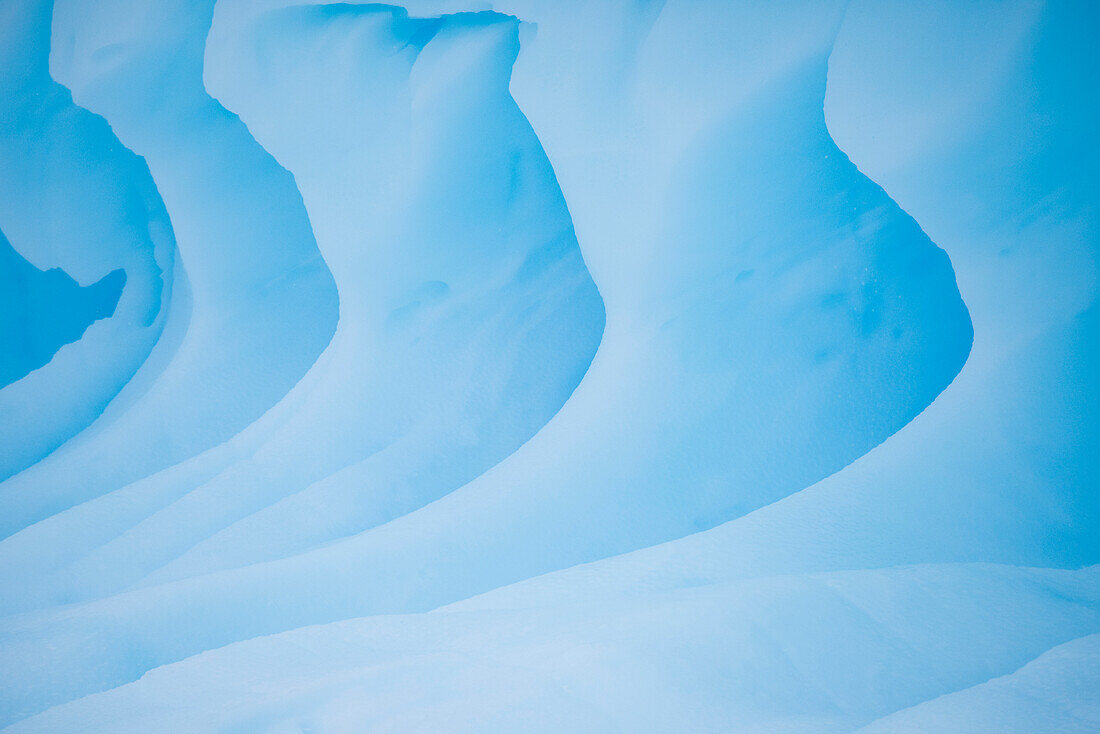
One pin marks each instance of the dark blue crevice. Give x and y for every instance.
(43, 310)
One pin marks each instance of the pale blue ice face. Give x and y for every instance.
(535, 366)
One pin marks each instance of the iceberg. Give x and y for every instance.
(640, 365)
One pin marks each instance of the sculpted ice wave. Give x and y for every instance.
(729, 503)
(261, 304)
(72, 198)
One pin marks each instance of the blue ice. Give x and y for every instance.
(530, 366)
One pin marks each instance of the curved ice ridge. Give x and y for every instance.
(752, 451)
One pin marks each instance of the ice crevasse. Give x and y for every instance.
(548, 366)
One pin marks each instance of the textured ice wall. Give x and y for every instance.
(749, 509)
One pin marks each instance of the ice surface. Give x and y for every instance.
(548, 366)
(1054, 692)
(72, 198)
(814, 653)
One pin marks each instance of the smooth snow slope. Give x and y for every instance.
(757, 462)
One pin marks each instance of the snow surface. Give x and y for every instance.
(683, 366)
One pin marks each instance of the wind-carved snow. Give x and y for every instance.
(701, 479)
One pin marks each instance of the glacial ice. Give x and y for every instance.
(549, 366)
